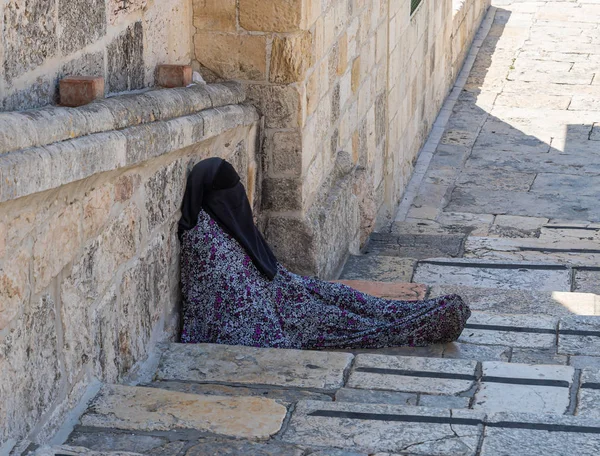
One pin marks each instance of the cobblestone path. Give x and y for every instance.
(504, 209)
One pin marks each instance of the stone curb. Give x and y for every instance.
(38, 169)
(40, 127)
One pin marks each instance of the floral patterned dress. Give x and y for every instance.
(226, 300)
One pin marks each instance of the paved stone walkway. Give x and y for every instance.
(503, 209)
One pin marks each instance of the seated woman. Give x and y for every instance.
(235, 292)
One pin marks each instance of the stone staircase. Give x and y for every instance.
(523, 379)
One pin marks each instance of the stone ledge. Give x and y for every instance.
(22, 130)
(38, 169)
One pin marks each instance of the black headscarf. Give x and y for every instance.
(215, 186)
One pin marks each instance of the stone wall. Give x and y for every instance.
(363, 77)
(42, 41)
(89, 202)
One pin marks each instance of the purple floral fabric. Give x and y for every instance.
(226, 300)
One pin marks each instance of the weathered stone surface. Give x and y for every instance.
(444, 402)
(500, 275)
(64, 230)
(232, 448)
(215, 15)
(492, 300)
(524, 356)
(246, 365)
(100, 440)
(394, 374)
(150, 409)
(378, 268)
(290, 58)
(164, 192)
(119, 8)
(587, 281)
(589, 394)
(82, 23)
(29, 35)
(497, 393)
(456, 350)
(40, 93)
(500, 439)
(387, 290)
(417, 246)
(125, 67)
(67, 450)
(374, 433)
(285, 153)
(29, 369)
(279, 104)
(375, 397)
(97, 204)
(584, 362)
(233, 56)
(508, 330)
(579, 344)
(282, 194)
(496, 179)
(15, 287)
(282, 395)
(274, 16)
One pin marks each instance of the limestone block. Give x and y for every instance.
(291, 56)
(96, 208)
(168, 35)
(213, 363)
(14, 287)
(272, 16)
(126, 186)
(29, 369)
(117, 9)
(125, 66)
(164, 193)
(233, 56)
(3, 237)
(39, 93)
(229, 447)
(29, 35)
(81, 23)
(285, 153)
(215, 15)
(109, 364)
(151, 409)
(279, 104)
(62, 231)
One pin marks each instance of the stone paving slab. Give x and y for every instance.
(66, 450)
(378, 268)
(416, 375)
(518, 387)
(587, 280)
(113, 440)
(388, 290)
(500, 275)
(549, 356)
(518, 331)
(572, 252)
(477, 200)
(151, 409)
(385, 428)
(530, 302)
(588, 401)
(457, 350)
(211, 363)
(579, 335)
(416, 245)
(376, 397)
(285, 396)
(540, 435)
(566, 233)
(232, 448)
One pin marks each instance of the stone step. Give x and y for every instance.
(493, 300)
(558, 250)
(130, 408)
(501, 275)
(66, 450)
(391, 429)
(399, 291)
(378, 268)
(418, 246)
